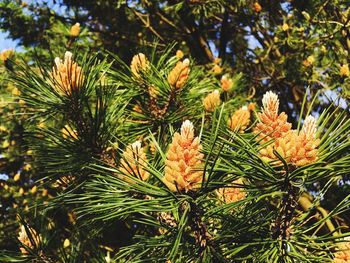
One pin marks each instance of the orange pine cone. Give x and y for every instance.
(139, 63)
(232, 194)
(67, 74)
(226, 83)
(179, 74)
(211, 101)
(184, 161)
(240, 120)
(306, 145)
(133, 163)
(272, 125)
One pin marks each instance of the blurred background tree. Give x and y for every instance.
(290, 47)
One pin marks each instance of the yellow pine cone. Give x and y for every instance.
(6, 54)
(133, 163)
(25, 240)
(343, 254)
(216, 69)
(344, 70)
(211, 101)
(271, 125)
(257, 7)
(139, 64)
(67, 74)
(179, 74)
(306, 144)
(184, 160)
(285, 27)
(240, 119)
(232, 194)
(75, 30)
(226, 83)
(179, 54)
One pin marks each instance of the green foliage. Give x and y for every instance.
(74, 177)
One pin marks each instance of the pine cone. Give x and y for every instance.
(183, 161)
(179, 74)
(67, 74)
(133, 163)
(240, 120)
(211, 101)
(272, 125)
(139, 63)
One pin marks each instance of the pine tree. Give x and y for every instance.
(145, 170)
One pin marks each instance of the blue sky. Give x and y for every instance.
(6, 43)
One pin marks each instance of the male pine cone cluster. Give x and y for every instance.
(296, 148)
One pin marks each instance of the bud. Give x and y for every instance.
(179, 74)
(66, 243)
(240, 120)
(217, 69)
(285, 27)
(226, 83)
(184, 160)
(15, 92)
(179, 54)
(75, 30)
(257, 7)
(17, 177)
(139, 63)
(211, 101)
(344, 70)
(6, 54)
(134, 163)
(34, 189)
(67, 74)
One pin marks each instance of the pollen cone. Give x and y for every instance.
(272, 125)
(133, 163)
(211, 101)
(184, 161)
(306, 145)
(179, 74)
(67, 74)
(296, 149)
(139, 63)
(232, 194)
(239, 120)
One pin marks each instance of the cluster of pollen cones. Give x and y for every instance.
(296, 148)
